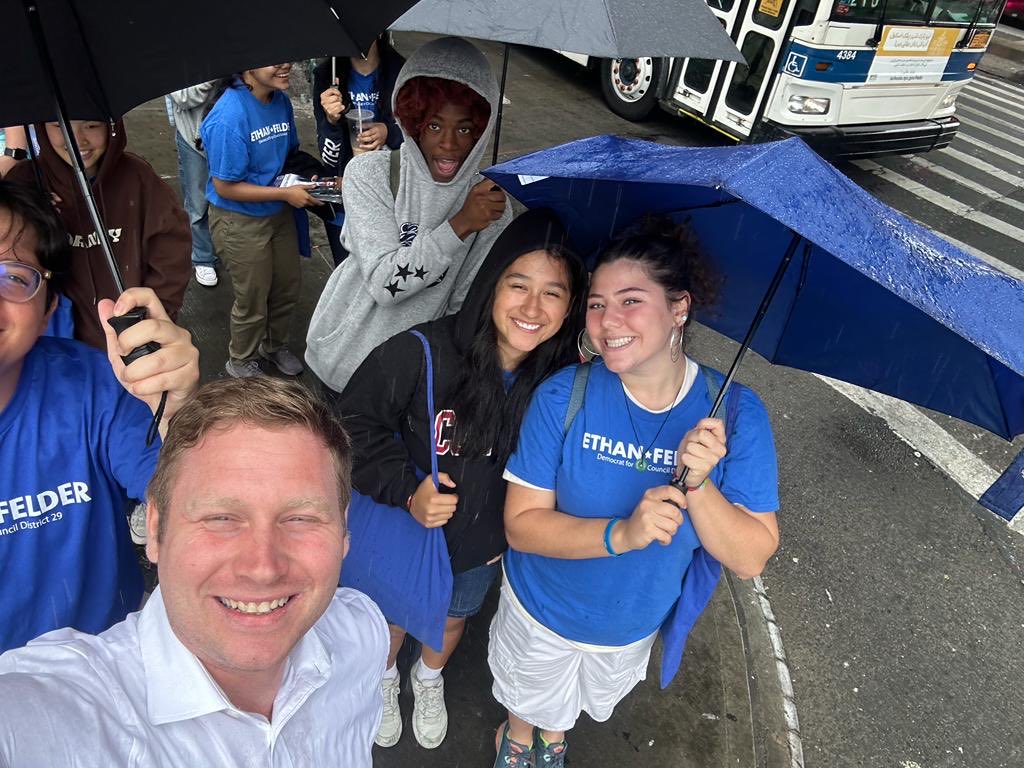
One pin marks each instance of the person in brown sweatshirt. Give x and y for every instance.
(147, 226)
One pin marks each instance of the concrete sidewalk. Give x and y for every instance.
(723, 709)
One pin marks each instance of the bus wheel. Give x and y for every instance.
(629, 86)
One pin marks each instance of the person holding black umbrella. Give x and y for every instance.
(600, 543)
(73, 424)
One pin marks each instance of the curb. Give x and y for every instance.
(774, 723)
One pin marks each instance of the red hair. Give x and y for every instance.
(423, 97)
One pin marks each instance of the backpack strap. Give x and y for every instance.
(579, 388)
(732, 401)
(395, 172)
(430, 405)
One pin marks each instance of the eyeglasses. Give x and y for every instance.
(20, 282)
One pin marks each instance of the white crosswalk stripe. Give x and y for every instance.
(970, 110)
(1003, 84)
(997, 94)
(988, 106)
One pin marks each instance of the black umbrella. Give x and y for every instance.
(97, 59)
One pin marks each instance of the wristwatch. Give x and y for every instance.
(16, 152)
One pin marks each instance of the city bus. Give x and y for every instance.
(853, 78)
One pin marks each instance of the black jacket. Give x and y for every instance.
(332, 140)
(387, 396)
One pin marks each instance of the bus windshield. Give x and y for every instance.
(942, 12)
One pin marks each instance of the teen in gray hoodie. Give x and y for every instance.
(415, 250)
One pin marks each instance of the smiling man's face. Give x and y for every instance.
(251, 549)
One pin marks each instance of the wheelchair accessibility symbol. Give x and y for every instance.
(795, 64)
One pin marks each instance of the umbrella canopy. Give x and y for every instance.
(112, 55)
(870, 297)
(607, 28)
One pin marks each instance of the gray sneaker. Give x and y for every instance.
(429, 715)
(243, 369)
(286, 362)
(137, 524)
(390, 730)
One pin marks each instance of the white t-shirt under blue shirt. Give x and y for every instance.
(247, 140)
(616, 601)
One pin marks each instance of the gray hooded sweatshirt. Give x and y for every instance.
(407, 265)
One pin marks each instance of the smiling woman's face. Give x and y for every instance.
(92, 137)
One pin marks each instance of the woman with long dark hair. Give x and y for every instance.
(516, 327)
(600, 542)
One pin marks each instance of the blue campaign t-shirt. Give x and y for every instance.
(73, 451)
(247, 140)
(363, 89)
(618, 600)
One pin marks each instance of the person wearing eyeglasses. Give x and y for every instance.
(73, 427)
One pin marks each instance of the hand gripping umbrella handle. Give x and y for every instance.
(121, 323)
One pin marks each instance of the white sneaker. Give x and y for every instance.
(429, 716)
(391, 723)
(137, 524)
(206, 275)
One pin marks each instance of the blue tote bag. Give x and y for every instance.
(401, 565)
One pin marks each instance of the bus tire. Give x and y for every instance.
(630, 86)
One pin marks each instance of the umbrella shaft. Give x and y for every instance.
(32, 12)
(762, 310)
(501, 104)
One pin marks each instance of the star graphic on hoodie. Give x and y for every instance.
(403, 272)
(393, 288)
(422, 273)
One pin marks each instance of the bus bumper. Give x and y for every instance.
(873, 140)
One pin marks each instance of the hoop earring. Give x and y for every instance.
(585, 346)
(675, 346)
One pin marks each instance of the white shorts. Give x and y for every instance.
(546, 680)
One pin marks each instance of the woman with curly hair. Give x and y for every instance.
(600, 541)
(419, 226)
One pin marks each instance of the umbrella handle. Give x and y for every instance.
(773, 287)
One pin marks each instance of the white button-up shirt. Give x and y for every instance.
(135, 696)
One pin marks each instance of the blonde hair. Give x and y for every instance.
(260, 402)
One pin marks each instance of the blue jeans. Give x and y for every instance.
(194, 172)
(469, 589)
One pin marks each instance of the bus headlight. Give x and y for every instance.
(950, 99)
(808, 105)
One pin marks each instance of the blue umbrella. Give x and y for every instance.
(819, 275)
